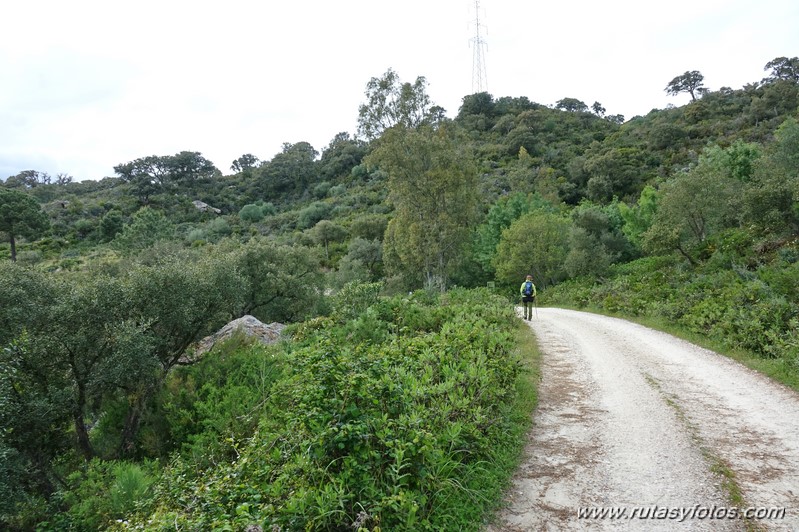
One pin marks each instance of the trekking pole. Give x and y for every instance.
(535, 304)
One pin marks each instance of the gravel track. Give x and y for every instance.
(631, 417)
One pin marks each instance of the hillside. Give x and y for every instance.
(687, 215)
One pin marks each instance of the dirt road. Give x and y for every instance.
(630, 418)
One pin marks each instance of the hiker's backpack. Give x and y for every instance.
(528, 288)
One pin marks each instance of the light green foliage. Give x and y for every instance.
(353, 299)
(736, 161)
(20, 216)
(768, 202)
(219, 227)
(368, 253)
(786, 149)
(147, 227)
(101, 493)
(638, 219)
(255, 212)
(537, 244)
(320, 191)
(206, 409)
(500, 216)
(432, 184)
(251, 213)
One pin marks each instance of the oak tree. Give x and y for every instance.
(20, 216)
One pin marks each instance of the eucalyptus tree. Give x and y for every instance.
(432, 181)
(390, 102)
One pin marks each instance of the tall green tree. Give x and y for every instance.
(20, 216)
(341, 156)
(572, 105)
(433, 186)
(325, 232)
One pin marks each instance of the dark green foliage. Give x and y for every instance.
(690, 82)
(289, 173)
(340, 157)
(283, 283)
(206, 409)
(147, 227)
(156, 174)
(20, 216)
(596, 240)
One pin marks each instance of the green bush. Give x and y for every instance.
(398, 434)
(102, 492)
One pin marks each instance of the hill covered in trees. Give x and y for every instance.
(688, 214)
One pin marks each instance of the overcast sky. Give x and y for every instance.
(89, 84)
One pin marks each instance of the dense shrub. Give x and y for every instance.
(393, 432)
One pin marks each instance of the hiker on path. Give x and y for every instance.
(528, 297)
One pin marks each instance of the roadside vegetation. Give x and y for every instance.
(400, 395)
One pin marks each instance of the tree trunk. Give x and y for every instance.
(13, 248)
(84, 443)
(127, 443)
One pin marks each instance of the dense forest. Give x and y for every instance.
(399, 396)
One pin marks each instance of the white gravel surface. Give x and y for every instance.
(633, 418)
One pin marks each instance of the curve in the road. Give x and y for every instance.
(630, 417)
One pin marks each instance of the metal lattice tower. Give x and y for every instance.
(479, 78)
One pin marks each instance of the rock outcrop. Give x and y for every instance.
(204, 207)
(250, 326)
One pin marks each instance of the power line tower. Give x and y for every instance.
(479, 78)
